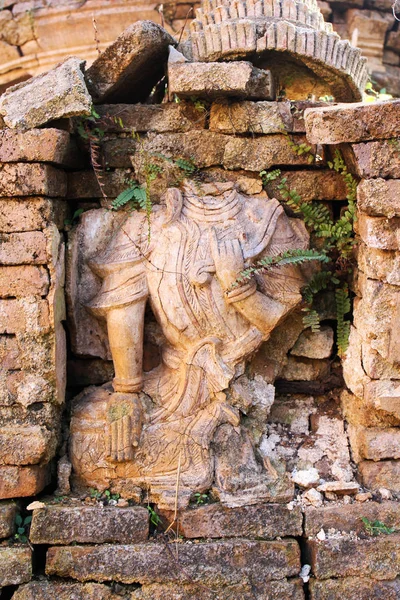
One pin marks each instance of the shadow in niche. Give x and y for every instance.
(8, 592)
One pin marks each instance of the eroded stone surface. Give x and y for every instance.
(21, 179)
(39, 145)
(379, 232)
(25, 445)
(31, 214)
(46, 590)
(23, 281)
(376, 159)
(379, 197)
(22, 481)
(15, 565)
(355, 588)
(89, 525)
(379, 264)
(310, 185)
(382, 474)
(375, 443)
(8, 511)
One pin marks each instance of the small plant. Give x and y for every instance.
(303, 149)
(109, 496)
(75, 217)
(95, 494)
(376, 528)
(201, 498)
(154, 517)
(22, 528)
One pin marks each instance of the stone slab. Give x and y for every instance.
(39, 145)
(379, 232)
(212, 563)
(8, 512)
(89, 525)
(250, 117)
(378, 557)
(347, 518)
(160, 118)
(22, 481)
(375, 443)
(49, 590)
(315, 345)
(25, 444)
(26, 280)
(353, 122)
(16, 316)
(15, 565)
(26, 179)
(375, 159)
(310, 185)
(379, 198)
(84, 185)
(266, 521)
(382, 265)
(129, 68)
(383, 474)
(354, 588)
(384, 395)
(239, 79)
(31, 214)
(57, 94)
(23, 248)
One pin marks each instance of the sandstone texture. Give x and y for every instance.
(8, 512)
(380, 232)
(382, 474)
(314, 345)
(381, 265)
(310, 185)
(130, 67)
(59, 93)
(39, 145)
(379, 198)
(23, 281)
(22, 481)
(21, 179)
(15, 565)
(46, 590)
(25, 445)
(89, 525)
(31, 214)
(250, 117)
(375, 159)
(355, 588)
(375, 443)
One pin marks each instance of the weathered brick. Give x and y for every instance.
(358, 412)
(378, 557)
(260, 521)
(22, 481)
(383, 474)
(26, 179)
(39, 145)
(15, 565)
(383, 265)
(379, 198)
(31, 214)
(27, 314)
(355, 588)
(347, 518)
(379, 232)
(374, 443)
(375, 159)
(9, 353)
(310, 185)
(161, 118)
(23, 248)
(221, 562)
(89, 525)
(250, 117)
(83, 184)
(205, 148)
(50, 590)
(8, 512)
(23, 281)
(25, 445)
(353, 122)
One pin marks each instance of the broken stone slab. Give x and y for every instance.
(378, 557)
(379, 197)
(227, 562)
(8, 512)
(22, 481)
(354, 588)
(15, 565)
(353, 370)
(382, 265)
(382, 474)
(266, 521)
(340, 488)
(374, 159)
(129, 68)
(57, 94)
(49, 590)
(25, 179)
(346, 123)
(314, 345)
(306, 478)
(39, 145)
(213, 80)
(374, 443)
(347, 517)
(89, 525)
(251, 117)
(376, 367)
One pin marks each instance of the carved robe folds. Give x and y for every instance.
(154, 429)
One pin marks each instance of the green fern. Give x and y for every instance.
(343, 307)
(311, 319)
(135, 194)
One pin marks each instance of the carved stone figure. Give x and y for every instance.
(155, 429)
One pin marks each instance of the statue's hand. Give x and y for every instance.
(228, 259)
(125, 421)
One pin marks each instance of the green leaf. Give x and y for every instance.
(18, 520)
(21, 530)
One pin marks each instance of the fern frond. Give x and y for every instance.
(311, 319)
(343, 307)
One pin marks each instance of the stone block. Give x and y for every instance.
(22, 481)
(304, 369)
(210, 80)
(379, 232)
(15, 565)
(25, 445)
(379, 198)
(18, 316)
(376, 367)
(378, 558)
(23, 281)
(23, 248)
(384, 474)
(8, 512)
(39, 145)
(374, 443)
(129, 68)
(160, 118)
(375, 159)
(393, 41)
(251, 117)
(205, 148)
(31, 214)
(210, 563)
(354, 588)
(358, 412)
(346, 123)
(314, 345)
(57, 94)
(353, 370)
(9, 353)
(49, 590)
(310, 185)
(89, 525)
(347, 518)
(22, 179)
(383, 265)
(83, 184)
(266, 521)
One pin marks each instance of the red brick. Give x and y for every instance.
(39, 145)
(23, 281)
(24, 179)
(23, 248)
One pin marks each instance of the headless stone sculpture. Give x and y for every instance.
(152, 430)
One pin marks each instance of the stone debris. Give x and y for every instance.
(306, 479)
(340, 488)
(314, 345)
(57, 94)
(129, 68)
(314, 498)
